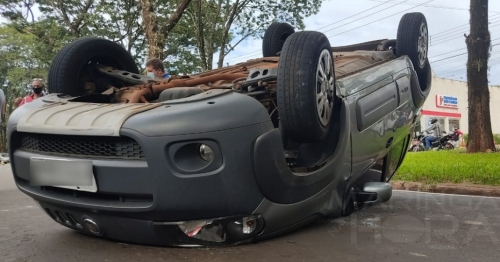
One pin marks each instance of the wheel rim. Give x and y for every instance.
(422, 44)
(325, 82)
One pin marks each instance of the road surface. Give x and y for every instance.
(410, 227)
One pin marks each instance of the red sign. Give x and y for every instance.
(447, 101)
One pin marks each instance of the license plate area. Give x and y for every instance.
(63, 173)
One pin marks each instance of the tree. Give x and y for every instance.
(478, 46)
(221, 25)
(21, 60)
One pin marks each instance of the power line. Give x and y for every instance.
(451, 29)
(448, 62)
(382, 19)
(460, 73)
(449, 57)
(443, 36)
(371, 8)
(453, 38)
(462, 67)
(492, 58)
(387, 8)
(336, 22)
(461, 49)
(437, 6)
(455, 56)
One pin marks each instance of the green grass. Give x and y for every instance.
(433, 167)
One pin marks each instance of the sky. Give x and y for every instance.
(447, 20)
(347, 22)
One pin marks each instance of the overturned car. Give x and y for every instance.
(226, 156)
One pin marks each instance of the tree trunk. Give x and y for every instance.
(200, 36)
(156, 35)
(225, 34)
(150, 25)
(478, 45)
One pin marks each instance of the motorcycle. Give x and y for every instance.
(443, 142)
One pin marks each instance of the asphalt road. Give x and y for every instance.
(410, 227)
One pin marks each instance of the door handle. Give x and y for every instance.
(389, 143)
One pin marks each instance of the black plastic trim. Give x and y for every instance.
(279, 184)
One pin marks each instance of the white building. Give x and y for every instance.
(448, 102)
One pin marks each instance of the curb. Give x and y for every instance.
(457, 189)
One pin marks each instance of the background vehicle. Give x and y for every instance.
(438, 144)
(226, 156)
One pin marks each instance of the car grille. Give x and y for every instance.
(82, 146)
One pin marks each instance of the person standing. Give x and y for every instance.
(37, 92)
(436, 129)
(156, 69)
(456, 136)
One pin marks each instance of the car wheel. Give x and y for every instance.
(306, 87)
(275, 37)
(413, 40)
(72, 70)
(418, 148)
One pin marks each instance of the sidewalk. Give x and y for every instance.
(448, 188)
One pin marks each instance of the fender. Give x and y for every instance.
(280, 185)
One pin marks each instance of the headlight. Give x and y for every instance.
(206, 153)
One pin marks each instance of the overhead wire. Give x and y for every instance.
(378, 12)
(460, 49)
(336, 22)
(443, 39)
(381, 19)
(453, 38)
(438, 6)
(443, 36)
(493, 59)
(457, 55)
(463, 71)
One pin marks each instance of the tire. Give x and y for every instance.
(418, 148)
(275, 37)
(297, 88)
(70, 70)
(413, 40)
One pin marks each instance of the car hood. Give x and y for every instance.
(54, 115)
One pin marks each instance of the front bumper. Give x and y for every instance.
(137, 199)
(139, 193)
(219, 231)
